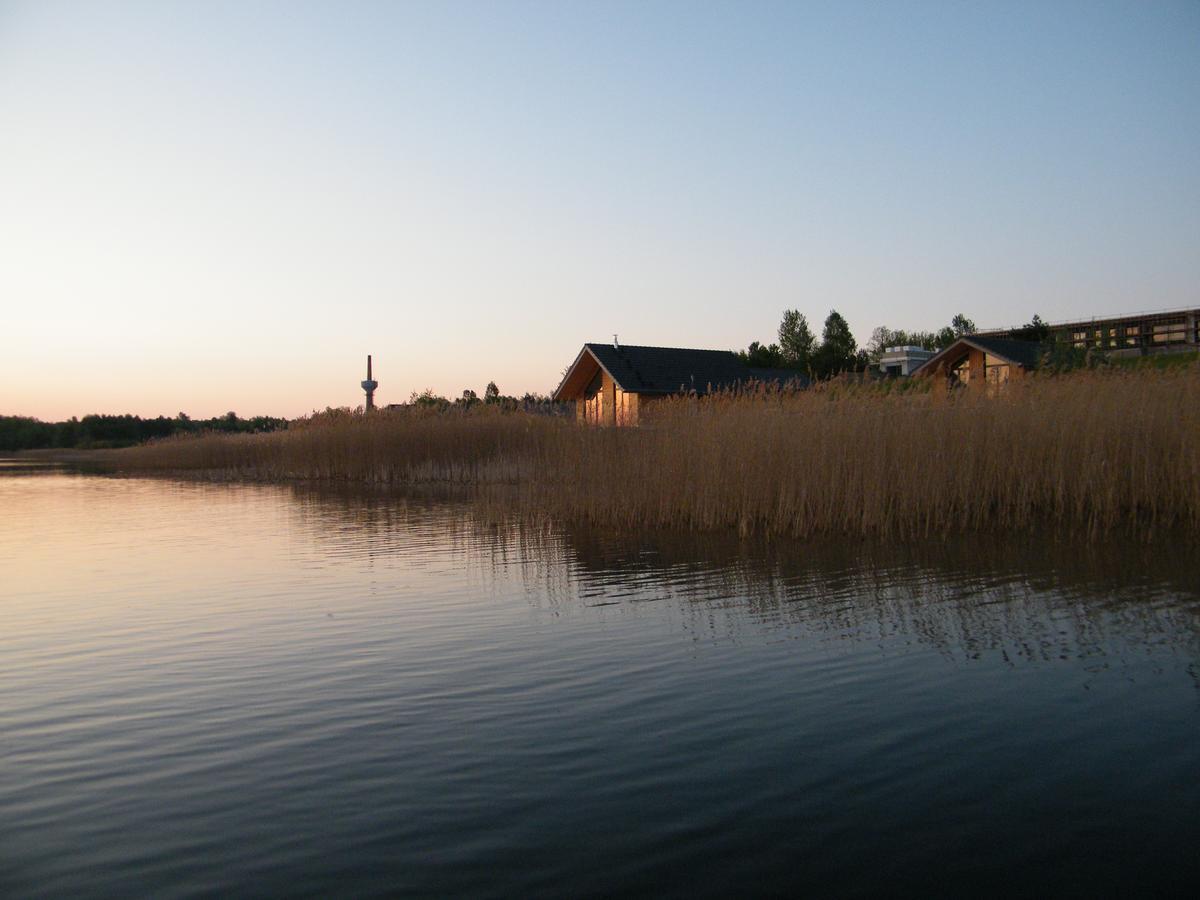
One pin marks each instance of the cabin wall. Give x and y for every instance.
(982, 371)
(633, 405)
(976, 367)
(594, 400)
(627, 407)
(607, 404)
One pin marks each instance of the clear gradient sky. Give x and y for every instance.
(215, 206)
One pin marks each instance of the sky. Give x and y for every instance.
(217, 206)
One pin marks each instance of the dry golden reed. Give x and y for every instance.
(1096, 453)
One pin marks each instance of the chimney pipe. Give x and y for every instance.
(616, 346)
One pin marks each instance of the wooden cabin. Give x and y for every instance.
(978, 361)
(613, 384)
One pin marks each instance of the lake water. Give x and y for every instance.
(215, 689)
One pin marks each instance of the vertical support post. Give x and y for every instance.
(976, 364)
(609, 410)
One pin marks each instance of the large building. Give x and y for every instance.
(612, 384)
(995, 356)
(1131, 335)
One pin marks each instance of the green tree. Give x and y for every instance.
(926, 339)
(491, 393)
(427, 398)
(796, 340)
(884, 337)
(1034, 330)
(947, 335)
(837, 352)
(759, 357)
(66, 434)
(881, 338)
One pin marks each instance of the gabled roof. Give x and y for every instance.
(666, 370)
(1026, 354)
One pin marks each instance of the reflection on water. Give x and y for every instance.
(213, 687)
(1026, 599)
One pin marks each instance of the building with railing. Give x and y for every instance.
(1164, 331)
(898, 361)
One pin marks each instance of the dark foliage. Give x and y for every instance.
(799, 349)
(883, 337)
(1034, 330)
(534, 403)
(95, 431)
(758, 356)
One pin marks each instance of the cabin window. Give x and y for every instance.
(995, 370)
(961, 370)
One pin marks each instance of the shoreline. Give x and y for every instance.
(1087, 455)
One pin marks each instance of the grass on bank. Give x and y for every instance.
(1095, 452)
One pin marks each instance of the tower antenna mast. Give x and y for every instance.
(369, 386)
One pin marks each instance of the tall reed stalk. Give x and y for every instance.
(1094, 453)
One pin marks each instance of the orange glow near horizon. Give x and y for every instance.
(227, 207)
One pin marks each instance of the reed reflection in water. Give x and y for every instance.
(274, 689)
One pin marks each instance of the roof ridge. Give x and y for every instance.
(1005, 347)
(655, 347)
(639, 368)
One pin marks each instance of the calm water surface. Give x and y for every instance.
(211, 689)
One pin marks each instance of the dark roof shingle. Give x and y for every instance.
(1024, 353)
(666, 370)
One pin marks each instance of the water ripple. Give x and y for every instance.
(211, 689)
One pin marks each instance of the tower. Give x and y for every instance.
(369, 386)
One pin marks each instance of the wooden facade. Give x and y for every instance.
(604, 402)
(982, 363)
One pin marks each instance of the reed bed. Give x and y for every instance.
(410, 446)
(1095, 453)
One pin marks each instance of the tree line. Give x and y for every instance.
(529, 402)
(837, 351)
(797, 348)
(100, 431)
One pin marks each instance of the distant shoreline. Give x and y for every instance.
(64, 455)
